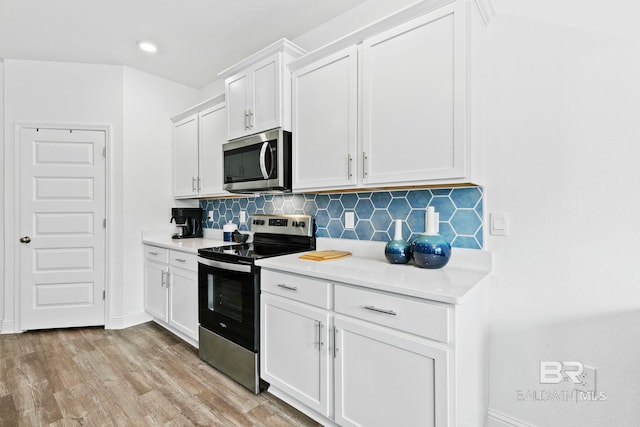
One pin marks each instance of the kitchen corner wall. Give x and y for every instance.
(460, 210)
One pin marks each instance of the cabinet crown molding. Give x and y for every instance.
(210, 102)
(388, 22)
(485, 10)
(282, 45)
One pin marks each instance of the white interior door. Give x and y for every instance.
(62, 209)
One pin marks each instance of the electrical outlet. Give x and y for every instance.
(210, 216)
(587, 379)
(349, 220)
(243, 216)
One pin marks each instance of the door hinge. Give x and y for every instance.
(104, 295)
(104, 152)
(104, 223)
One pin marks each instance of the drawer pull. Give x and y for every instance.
(181, 260)
(287, 287)
(380, 310)
(153, 253)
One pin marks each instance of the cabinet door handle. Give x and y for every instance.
(193, 183)
(168, 280)
(380, 310)
(349, 161)
(335, 342)
(320, 343)
(163, 282)
(251, 119)
(246, 120)
(199, 184)
(180, 260)
(153, 253)
(364, 164)
(287, 287)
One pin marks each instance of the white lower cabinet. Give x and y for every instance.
(295, 350)
(155, 293)
(384, 378)
(352, 356)
(171, 290)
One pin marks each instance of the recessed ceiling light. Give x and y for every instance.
(147, 46)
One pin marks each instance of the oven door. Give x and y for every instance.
(228, 301)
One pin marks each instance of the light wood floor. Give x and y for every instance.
(140, 376)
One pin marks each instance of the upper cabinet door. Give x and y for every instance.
(265, 113)
(213, 133)
(414, 100)
(238, 98)
(258, 90)
(185, 157)
(325, 122)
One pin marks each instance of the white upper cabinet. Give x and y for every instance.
(185, 157)
(325, 119)
(414, 100)
(237, 95)
(258, 90)
(389, 109)
(212, 135)
(198, 135)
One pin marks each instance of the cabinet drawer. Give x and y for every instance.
(183, 260)
(299, 288)
(422, 318)
(156, 254)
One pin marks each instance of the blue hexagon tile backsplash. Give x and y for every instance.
(460, 210)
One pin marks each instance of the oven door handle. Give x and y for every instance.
(242, 268)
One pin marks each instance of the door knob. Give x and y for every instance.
(25, 239)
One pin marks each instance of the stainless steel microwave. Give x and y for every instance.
(258, 163)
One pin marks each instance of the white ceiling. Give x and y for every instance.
(196, 38)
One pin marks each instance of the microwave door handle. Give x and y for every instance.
(263, 163)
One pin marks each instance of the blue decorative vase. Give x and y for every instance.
(398, 251)
(430, 250)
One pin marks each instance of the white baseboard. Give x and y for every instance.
(122, 322)
(116, 322)
(498, 419)
(7, 327)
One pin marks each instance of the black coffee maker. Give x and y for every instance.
(189, 220)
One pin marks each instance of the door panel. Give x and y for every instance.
(62, 207)
(59, 224)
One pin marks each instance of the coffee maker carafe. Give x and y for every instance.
(188, 220)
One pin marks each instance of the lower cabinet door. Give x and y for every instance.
(155, 291)
(183, 306)
(387, 378)
(294, 342)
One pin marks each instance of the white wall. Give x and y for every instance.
(561, 110)
(149, 102)
(137, 107)
(213, 89)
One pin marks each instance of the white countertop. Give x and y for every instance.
(164, 240)
(367, 267)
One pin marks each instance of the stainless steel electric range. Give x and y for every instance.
(229, 293)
